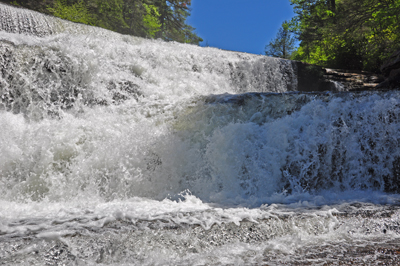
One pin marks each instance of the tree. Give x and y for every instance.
(109, 14)
(346, 33)
(164, 19)
(283, 45)
(76, 12)
(173, 14)
(151, 20)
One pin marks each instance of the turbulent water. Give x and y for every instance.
(117, 150)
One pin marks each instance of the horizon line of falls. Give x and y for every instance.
(120, 150)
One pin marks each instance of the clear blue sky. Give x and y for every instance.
(239, 25)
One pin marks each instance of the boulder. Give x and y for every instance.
(391, 70)
(391, 64)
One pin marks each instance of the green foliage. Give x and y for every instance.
(76, 12)
(110, 15)
(173, 14)
(151, 20)
(283, 45)
(346, 33)
(164, 19)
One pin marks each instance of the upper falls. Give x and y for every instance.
(88, 113)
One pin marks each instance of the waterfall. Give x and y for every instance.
(75, 96)
(182, 148)
(125, 116)
(18, 20)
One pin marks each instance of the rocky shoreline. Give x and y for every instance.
(316, 78)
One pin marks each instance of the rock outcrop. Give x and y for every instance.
(391, 71)
(354, 80)
(315, 78)
(310, 78)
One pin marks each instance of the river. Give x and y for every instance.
(118, 150)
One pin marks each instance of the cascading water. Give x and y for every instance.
(117, 150)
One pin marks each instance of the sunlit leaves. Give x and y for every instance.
(165, 19)
(151, 20)
(346, 33)
(76, 12)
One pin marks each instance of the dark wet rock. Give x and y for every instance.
(392, 64)
(310, 78)
(390, 83)
(392, 183)
(316, 78)
(391, 71)
(353, 80)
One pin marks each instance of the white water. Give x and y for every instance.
(120, 150)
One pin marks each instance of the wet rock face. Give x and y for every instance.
(353, 80)
(315, 78)
(391, 70)
(310, 77)
(392, 65)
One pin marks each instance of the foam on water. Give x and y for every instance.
(121, 150)
(98, 112)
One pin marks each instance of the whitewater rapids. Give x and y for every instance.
(117, 150)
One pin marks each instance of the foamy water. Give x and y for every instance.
(117, 150)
